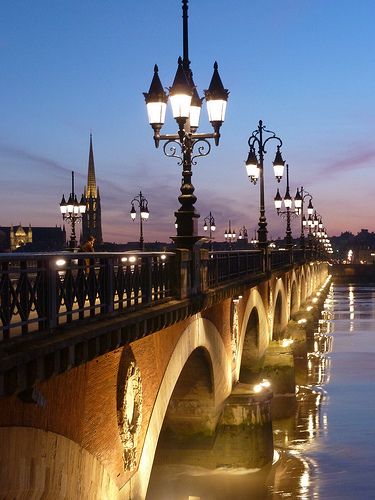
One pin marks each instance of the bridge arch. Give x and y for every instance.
(191, 409)
(201, 336)
(308, 281)
(254, 337)
(280, 310)
(43, 464)
(294, 301)
(302, 286)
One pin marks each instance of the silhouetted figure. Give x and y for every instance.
(88, 246)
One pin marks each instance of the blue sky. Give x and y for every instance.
(306, 68)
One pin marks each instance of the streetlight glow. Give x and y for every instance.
(142, 204)
(72, 211)
(255, 169)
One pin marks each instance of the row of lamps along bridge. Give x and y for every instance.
(186, 145)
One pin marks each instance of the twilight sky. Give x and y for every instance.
(305, 67)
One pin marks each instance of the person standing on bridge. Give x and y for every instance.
(88, 246)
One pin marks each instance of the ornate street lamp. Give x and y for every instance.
(144, 214)
(242, 234)
(299, 203)
(254, 241)
(209, 223)
(287, 213)
(255, 171)
(72, 212)
(187, 144)
(230, 235)
(317, 228)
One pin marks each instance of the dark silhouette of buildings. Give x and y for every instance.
(361, 245)
(92, 218)
(32, 239)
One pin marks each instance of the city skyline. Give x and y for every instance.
(75, 68)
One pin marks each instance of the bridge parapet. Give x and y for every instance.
(56, 316)
(41, 292)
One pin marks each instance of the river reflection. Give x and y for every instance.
(324, 450)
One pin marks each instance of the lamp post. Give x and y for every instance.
(317, 228)
(254, 241)
(242, 234)
(299, 203)
(320, 231)
(72, 212)
(209, 223)
(144, 214)
(230, 235)
(186, 145)
(287, 213)
(255, 170)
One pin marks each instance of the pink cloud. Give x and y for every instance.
(353, 160)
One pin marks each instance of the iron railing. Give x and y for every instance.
(230, 265)
(42, 291)
(39, 292)
(280, 258)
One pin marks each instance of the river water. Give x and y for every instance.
(326, 450)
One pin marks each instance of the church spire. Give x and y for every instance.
(92, 218)
(91, 190)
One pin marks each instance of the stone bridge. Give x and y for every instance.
(110, 363)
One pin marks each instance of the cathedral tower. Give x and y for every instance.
(92, 218)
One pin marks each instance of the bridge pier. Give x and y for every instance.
(244, 435)
(279, 370)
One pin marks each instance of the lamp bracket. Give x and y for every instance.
(284, 214)
(170, 148)
(203, 150)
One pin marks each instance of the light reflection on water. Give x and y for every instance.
(326, 448)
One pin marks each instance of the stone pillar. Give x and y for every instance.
(183, 273)
(244, 435)
(203, 270)
(278, 369)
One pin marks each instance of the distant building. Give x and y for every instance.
(356, 249)
(32, 239)
(92, 218)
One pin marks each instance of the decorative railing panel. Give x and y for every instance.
(280, 258)
(230, 265)
(40, 292)
(299, 255)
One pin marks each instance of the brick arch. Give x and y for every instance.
(308, 281)
(302, 287)
(43, 464)
(254, 337)
(294, 299)
(201, 333)
(314, 279)
(280, 315)
(192, 409)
